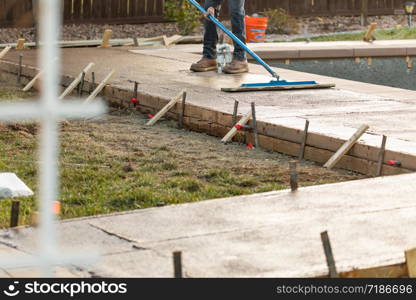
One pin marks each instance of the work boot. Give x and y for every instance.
(204, 65)
(236, 67)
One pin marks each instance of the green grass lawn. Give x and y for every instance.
(382, 34)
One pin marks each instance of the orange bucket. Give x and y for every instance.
(256, 29)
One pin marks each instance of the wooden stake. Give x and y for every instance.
(369, 35)
(357, 60)
(33, 81)
(411, 262)
(244, 120)
(106, 38)
(304, 139)
(20, 44)
(172, 40)
(4, 52)
(381, 155)
(100, 87)
(329, 255)
(293, 175)
(81, 85)
(255, 133)
(236, 103)
(177, 264)
(182, 112)
(76, 81)
(14, 215)
(346, 147)
(370, 61)
(165, 109)
(19, 71)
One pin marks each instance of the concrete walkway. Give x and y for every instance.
(277, 234)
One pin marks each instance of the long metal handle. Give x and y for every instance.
(236, 39)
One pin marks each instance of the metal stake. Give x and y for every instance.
(14, 216)
(81, 84)
(19, 74)
(136, 42)
(293, 175)
(304, 138)
(329, 255)
(177, 264)
(182, 112)
(92, 85)
(381, 155)
(256, 135)
(235, 112)
(136, 88)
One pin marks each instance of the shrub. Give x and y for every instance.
(281, 22)
(183, 14)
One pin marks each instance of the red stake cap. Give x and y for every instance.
(250, 147)
(150, 116)
(134, 100)
(239, 127)
(394, 163)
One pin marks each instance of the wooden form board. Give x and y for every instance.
(113, 42)
(244, 120)
(411, 262)
(165, 109)
(279, 88)
(76, 81)
(100, 87)
(4, 52)
(346, 147)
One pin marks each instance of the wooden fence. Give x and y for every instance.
(19, 12)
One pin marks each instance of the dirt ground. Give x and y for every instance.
(116, 163)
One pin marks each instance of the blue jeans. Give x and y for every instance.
(237, 14)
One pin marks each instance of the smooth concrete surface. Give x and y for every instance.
(276, 234)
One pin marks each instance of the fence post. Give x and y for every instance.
(364, 12)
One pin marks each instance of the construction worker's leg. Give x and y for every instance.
(237, 14)
(211, 35)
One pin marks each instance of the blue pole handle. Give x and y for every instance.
(235, 39)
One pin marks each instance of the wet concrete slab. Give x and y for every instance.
(275, 234)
